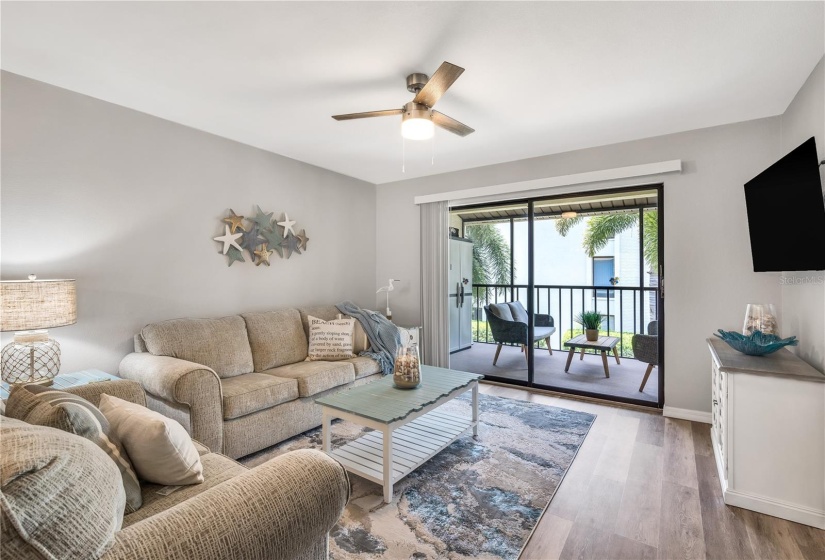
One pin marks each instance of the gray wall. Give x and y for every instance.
(802, 312)
(709, 274)
(128, 204)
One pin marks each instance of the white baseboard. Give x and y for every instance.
(776, 508)
(687, 414)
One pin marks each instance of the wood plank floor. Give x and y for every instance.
(644, 486)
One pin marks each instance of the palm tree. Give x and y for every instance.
(491, 255)
(602, 228)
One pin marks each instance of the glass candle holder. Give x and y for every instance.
(407, 371)
(760, 317)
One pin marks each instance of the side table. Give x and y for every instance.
(66, 380)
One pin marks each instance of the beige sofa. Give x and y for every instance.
(59, 501)
(240, 384)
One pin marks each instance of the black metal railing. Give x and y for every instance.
(628, 309)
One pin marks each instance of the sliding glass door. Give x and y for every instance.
(541, 266)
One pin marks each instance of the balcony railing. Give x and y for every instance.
(628, 309)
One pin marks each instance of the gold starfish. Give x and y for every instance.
(302, 239)
(234, 221)
(263, 255)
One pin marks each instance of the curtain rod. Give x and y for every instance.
(632, 171)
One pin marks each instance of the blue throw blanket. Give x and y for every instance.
(382, 333)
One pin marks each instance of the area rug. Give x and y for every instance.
(478, 498)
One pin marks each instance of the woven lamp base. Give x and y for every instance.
(30, 362)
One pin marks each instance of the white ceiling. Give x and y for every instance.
(540, 78)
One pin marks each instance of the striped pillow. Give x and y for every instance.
(43, 406)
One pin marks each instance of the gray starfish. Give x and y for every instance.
(291, 244)
(263, 220)
(274, 239)
(234, 255)
(250, 241)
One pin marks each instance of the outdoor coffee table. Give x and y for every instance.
(409, 427)
(604, 344)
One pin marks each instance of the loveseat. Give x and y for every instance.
(240, 384)
(59, 500)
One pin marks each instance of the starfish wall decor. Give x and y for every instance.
(261, 237)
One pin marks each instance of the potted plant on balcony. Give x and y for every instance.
(591, 321)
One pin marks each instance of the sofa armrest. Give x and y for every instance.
(125, 389)
(278, 510)
(187, 383)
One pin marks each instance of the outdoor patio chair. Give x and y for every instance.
(508, 323)
(646, 349)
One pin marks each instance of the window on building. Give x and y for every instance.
(609, 324)
(604, 271)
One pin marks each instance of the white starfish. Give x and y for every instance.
(228, 240)
(287, 224)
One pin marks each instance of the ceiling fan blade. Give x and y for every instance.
(440, 82)
(368, 114)
(449, 123)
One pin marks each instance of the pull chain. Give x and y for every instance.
(432, 149)
(403, 154)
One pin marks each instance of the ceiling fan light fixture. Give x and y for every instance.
(417, 122)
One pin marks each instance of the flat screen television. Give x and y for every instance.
(786, 214)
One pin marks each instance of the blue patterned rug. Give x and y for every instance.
(476, 499)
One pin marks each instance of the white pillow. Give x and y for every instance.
(330, 340)
(160, 449)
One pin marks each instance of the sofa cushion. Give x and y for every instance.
(220, 344)
(315, 377)
(252, 392)
(364, 366)
(61, 496)
(44, 406)
(360, 342)
(276, 337)
(216, 469)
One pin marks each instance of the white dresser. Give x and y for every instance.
(768, 433)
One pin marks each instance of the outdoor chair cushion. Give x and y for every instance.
(518, 312)
(316, 377)
(540, 333)
(502, 311)
(252, 392)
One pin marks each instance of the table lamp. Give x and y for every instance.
(29, 307)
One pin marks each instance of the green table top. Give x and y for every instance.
(383, 402)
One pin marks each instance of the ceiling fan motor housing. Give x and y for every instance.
(416, 81)
(413, 110)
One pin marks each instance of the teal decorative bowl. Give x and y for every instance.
(757, 344)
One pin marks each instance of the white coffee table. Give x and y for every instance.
(409, 427)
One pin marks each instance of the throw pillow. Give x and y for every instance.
(161, 450)
(44, 406)
(60, 497)
(330, 340)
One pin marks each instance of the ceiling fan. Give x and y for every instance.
(418, 118)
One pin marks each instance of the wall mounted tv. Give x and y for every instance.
(786, 214)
